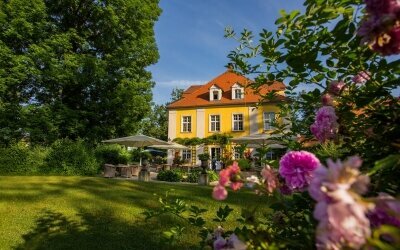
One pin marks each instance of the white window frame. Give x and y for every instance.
(267, 120)
(188, 127)
(215, 95)
(217, 91)
(237, 121)
(238, 94)
(236, 153)
(215, 123)
(187, 154)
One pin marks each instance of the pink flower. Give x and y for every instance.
(224, 176)
(296, 167)
(235, 243)
(361, 77)
(325, 126)
(270, 178)
(327, 100)
(219, 193)
(382, 7)
(386, 211)
(336, 87)
(232, 242)
(339, 209)
(380, 28)
(219, 243)
(230, 174)
(236, 185)
(387, 43)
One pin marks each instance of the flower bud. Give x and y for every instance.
(336, 87)
(327, 100)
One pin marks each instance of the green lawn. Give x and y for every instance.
(55, 212)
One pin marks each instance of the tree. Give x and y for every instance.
(176, 94)
(321, 49)
(78, 64)
(156, 123)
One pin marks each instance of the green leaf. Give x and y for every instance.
(388, 162)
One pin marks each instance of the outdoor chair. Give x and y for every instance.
(109, 170)
(125, 171)
(135, 169)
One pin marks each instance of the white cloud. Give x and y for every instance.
(179, 83)
(163, 89)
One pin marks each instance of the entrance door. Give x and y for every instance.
(215, 154)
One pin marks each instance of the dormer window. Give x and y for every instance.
(238, 94)
(215, 93)
(237, 91)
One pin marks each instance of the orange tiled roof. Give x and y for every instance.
(198, 95)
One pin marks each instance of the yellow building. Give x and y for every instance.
(223, 105)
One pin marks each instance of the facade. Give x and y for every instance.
(223, 105)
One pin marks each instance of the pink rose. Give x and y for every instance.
(219, 193)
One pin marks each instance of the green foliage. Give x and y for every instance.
(176, 94)
(112, 154)
(170, 175)
(204, 156)
(194, 175)
(330, 150)
(156, 123)
(20, 159)
(244, 164)
(138, 153)
(221, 139)
(189, 141)
(75, 69)
(68, 157)
(194, 218)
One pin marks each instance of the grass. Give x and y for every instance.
(43, 212)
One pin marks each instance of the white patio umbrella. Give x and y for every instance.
(259, 139)
(273, 145)
(138, 141)
(171, 145)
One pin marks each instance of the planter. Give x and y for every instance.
(204, 179)
(144, 175)
(204, 166)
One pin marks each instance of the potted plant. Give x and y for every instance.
(204, 161)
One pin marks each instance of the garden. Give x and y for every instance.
(335, 187)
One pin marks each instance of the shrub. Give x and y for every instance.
(20, 159)
(136, 154)
(194, 175)
(112, 154)
(170, 175)
(212, 175)
(244, 164)
(68, 157)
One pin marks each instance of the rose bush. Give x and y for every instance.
(336, 187)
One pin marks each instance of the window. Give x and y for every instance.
(215, 123)
(236, 153)
(215, 95)
(186, 155)
(237, 122)
(238, 94)
(270, 155)
(186, 123)
(269, 118)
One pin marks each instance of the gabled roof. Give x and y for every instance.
(198, 95)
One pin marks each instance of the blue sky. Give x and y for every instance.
(190, 38)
